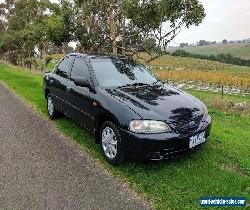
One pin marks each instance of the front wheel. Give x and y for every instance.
(111, 145)
(52, 111)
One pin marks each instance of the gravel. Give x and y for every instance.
(41, 169)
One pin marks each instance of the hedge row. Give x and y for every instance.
(223, 58)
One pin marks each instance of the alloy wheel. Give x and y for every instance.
(109, 142)
(50, 106)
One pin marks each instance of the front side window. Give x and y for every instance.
(112, 72)
(79, 69)
(64, 67)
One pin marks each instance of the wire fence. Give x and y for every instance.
(209, 88)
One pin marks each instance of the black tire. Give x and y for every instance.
(119, 157)
(53, 113)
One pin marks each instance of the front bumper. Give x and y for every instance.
(159, 146)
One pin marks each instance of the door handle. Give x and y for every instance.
(68, 89)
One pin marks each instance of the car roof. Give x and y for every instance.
(97, 55)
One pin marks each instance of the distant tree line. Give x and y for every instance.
(223, 58)
(32, 29)
(205, 42)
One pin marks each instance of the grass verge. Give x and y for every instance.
(220, 168)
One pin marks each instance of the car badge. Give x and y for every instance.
(192, 124)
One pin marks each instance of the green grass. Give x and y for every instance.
(241, 50)
(50, 66)
(220, 168)
(209, 96)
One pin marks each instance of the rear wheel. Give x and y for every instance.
(111, 145)
(52, 111)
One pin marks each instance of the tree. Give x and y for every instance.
(183, 45)
(149, 44)
(91, 25)
(224, 41)
(113, 12)
(59, 27)
(202, 42)
(167, 17)
(107, 26)
(54, 30)
(25, 28)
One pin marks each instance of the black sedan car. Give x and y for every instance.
(131, 112)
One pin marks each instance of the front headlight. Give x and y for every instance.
(148, 126)
(205, 112)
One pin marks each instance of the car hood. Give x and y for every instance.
(160, 102)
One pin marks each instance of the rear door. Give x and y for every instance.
(81, 97)
(61, 82)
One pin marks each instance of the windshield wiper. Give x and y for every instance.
(157, 81)
(133, 85)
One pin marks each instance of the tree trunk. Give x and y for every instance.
(112, 29)
(123, 35)
(21, 60)
(41, 53)
(63, 49)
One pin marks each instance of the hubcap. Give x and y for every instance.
(50, 106)
(109, 143)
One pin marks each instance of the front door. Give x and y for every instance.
(60, 82)
(81, 97)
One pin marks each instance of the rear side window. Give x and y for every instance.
(64, 68)
(80, 69)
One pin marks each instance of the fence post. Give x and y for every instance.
(222, 91)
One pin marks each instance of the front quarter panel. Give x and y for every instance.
(116, 109)
(46, 78)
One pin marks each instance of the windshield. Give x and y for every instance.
(120, 72)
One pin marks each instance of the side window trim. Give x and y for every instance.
(72, 68)
(56, 67)
(69, 72)
(92, 73)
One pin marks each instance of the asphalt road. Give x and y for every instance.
(41, 169)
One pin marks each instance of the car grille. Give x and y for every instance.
(188, 126)
(167, 153)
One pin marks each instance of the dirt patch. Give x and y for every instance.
(226, 105)
(234, 168)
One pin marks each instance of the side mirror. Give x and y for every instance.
(83, 82)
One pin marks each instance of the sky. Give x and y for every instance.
(225, 19)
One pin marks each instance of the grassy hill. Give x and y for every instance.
(209, 72)
(241, 50)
